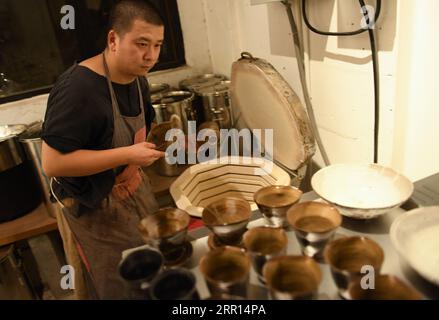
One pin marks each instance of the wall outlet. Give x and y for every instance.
(256, 2)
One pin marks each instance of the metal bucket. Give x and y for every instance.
(20, 192)
(31, 141)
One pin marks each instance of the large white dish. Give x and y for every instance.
(415, 235)
(362, 191)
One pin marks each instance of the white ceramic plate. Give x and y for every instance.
(415, 235)
(362, 191)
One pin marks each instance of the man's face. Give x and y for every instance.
(138, 50)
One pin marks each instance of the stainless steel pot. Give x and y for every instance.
(157, 90)
(178, 103)
(173, 110)
(11, 154)
(212, 98)
(31, 142)
(217, 105)
(204, 80)
(20, 191)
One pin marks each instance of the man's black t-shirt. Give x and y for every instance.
(79, 115)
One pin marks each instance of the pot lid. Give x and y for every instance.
(9, 131)
(221, 87)
(173, 97)
(266, 101)
(155, 88)
(205, 80)
(32, 132)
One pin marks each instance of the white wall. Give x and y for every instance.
(416, 138)
(339, 70)
(339, 73)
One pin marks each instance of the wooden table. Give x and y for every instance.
(39, 222)
(32, 224)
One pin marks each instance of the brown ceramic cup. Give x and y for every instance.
(385, 287)
(174, 284)
(138, 269)
(352, 258)
(274, 201)
(292, 277)
(226, 271)
(263, 244)
(166, 230)
(314, 224)
(227, 218)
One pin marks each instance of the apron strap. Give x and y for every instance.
(114, 103)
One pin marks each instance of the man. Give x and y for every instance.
(94, 143)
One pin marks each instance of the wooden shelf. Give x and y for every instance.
(32, 224)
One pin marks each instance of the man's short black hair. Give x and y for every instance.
(125, 12)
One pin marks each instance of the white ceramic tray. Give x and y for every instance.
(204, 183)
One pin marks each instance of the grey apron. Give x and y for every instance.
(104, 233)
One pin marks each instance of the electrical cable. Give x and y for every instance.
(349, 33)
(301, 65)
(374, 51)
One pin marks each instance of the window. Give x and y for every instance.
(35, 50)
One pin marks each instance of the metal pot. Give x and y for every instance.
(197, 84)
(31, 142)
(204, 80)
(178, 103)
(20, 189)
(217, 105)
(157, 90)
(157, 136)
(11, 154)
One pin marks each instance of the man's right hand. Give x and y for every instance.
(144, 154)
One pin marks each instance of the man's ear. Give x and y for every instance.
(111, 40)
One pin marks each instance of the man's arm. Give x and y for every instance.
(88, 162)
